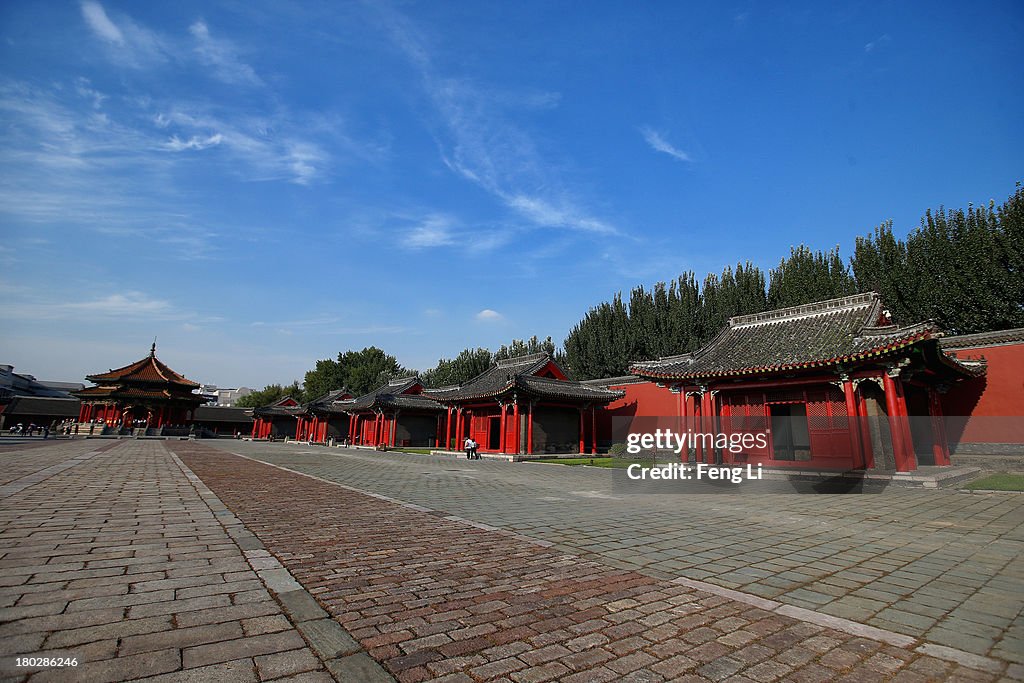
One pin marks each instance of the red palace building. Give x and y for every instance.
(278, 420)
(324, 418)
(395, 414)
(147, 391)
(524, 405)
(834, 384)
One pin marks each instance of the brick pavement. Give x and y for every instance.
(433, 598)
(936, 565)
(115, 558)
(16, 463)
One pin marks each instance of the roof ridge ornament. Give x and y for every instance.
(806, 310)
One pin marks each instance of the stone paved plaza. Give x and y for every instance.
(186, 561)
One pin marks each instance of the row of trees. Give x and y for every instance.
(963, 269)
(362, 371)
(358, 371)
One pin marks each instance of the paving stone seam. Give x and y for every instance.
(18, 485)
(337, 650)
(848, 626)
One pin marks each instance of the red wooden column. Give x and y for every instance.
(684, 455)
(448, 430)
(593, 430)
(908, 436)
(896, 405)
(502, 445)
(581, 431)
(864, 427)
(708, 419)
(940, 444)
(529, 430)
(515, 424)
(698, 449)
(852, 421)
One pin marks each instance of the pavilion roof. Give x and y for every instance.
(286, 406)
(136, 393)
(332, 402)
(149, 370)
(840, 331)
(402, 392)
(522, 375)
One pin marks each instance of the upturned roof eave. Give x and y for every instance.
(875, 352)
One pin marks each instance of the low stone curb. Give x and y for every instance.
(340, 653)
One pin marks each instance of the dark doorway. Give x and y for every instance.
(789, 431)
(494, 434)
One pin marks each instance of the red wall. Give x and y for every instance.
(643, 399)
(993, 404)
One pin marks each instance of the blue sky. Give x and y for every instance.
(261, 184)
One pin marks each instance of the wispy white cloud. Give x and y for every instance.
(127, 43)
(565, 215)
(481, 144)
(100, 23)
(139, 305)
(176, 144)
(489, 315)
(222, 57)
(434, 231)
(257, 151)
(878, 42)
(658, 143)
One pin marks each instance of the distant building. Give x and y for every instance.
(225, 398)
(27, 400)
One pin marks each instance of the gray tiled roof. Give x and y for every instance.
(392, 395)
(43, 406)
(995, 338)
(517, 375)
(276, 409)
(825, 333)
(222, 414)
(331, 402)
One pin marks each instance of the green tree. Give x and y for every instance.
(963, 269)
(464, 367)
(521, 347)
(272, 393)
(808, 276)
(327, 376)
(363, 371)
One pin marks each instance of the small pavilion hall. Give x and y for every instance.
(524, 405)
